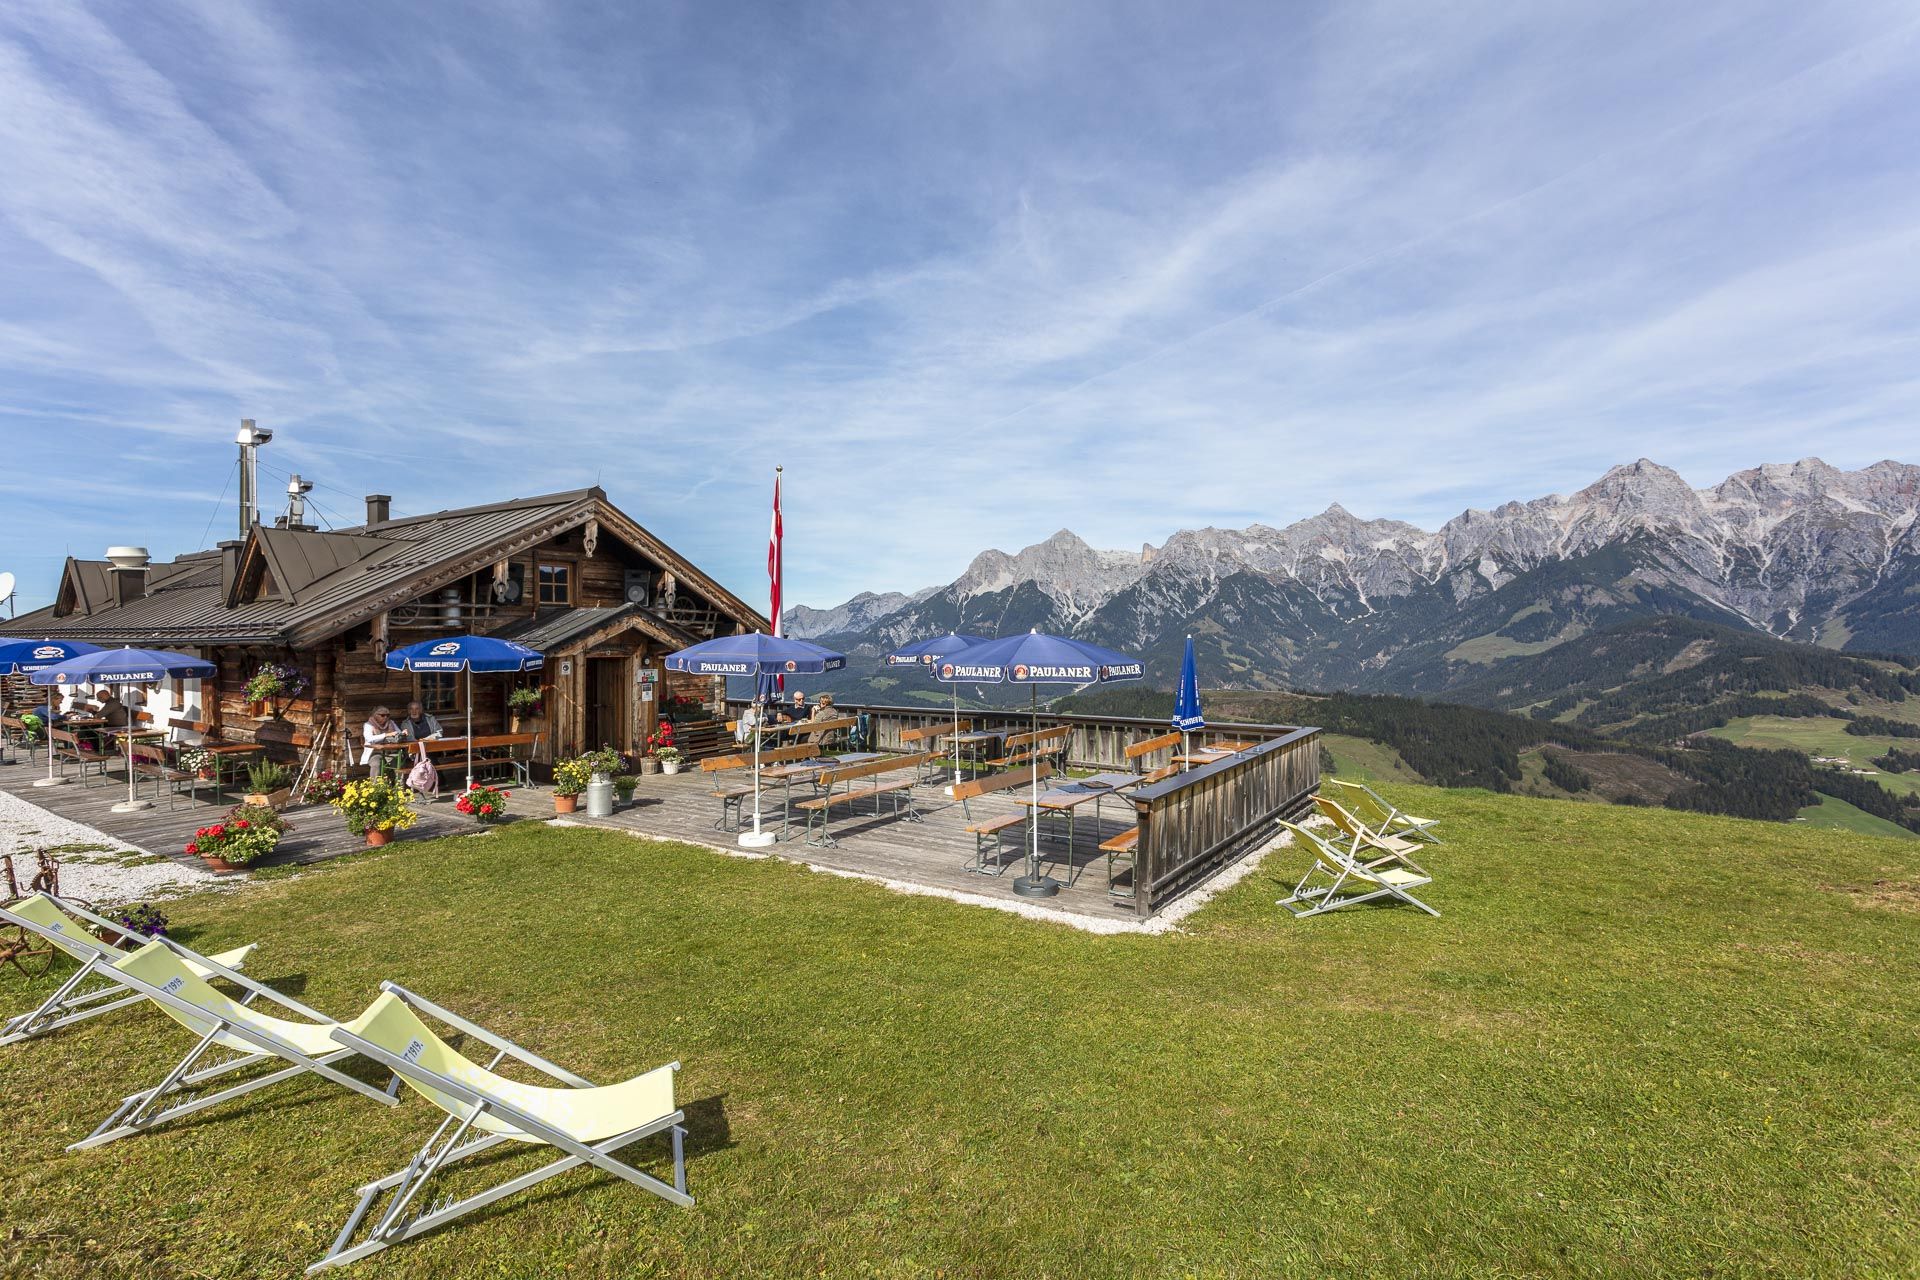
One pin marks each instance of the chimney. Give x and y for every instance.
(128, 574)
(295, 516)
(250, 439)
(378, 505)
(229, 565)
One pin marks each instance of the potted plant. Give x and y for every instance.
(375, 808)
(269, 784)
(199, 763)
(660, 740)
(524, 701)
(570, 778)
(271, 683)
(323, 787)
(484, 804)
(248, 833)
(138, 920)
(623, 786)
(669, 758)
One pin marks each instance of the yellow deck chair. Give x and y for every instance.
(1362, 840)
(1338, 879)
(87, 993)
(249, 1036)
(1379, 813)
(588, 1124)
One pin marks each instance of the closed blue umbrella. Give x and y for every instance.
(755, 655)
(927, 652)
(1186, 707)
(468, 654)
(126, 666)
(1033, 660)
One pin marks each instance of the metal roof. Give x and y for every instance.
(326, 582)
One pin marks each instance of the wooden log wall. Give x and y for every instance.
(1197, 822)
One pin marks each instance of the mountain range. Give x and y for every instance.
(1801, 552)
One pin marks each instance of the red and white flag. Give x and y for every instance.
(773, 553)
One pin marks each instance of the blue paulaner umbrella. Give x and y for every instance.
(924, 653)
(468, 654)
(24, 657)
(1186, 708)
(1033, 660)
(755, 654)
(121, 666)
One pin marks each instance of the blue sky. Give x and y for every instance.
(972, 272)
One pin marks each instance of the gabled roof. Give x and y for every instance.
(567, 628)
(326, 583)
(296, 559)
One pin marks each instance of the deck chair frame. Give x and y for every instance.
(1396, 821)
(1349, 882)
(450, 1143)
(140, 1112)
(73, 1000)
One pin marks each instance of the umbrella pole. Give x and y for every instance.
(132, 803)
(756, 839)
(53, 692)
(1033, 884)
(955, 740)
(469, 786)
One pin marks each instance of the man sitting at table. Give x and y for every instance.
(113, 711)
(419, 726)
(380, 728)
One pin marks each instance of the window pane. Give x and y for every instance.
(556, 586)
(439, 690)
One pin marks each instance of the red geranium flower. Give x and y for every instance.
(242, 824)
(192, 847)
(486, 808)
(217, 831)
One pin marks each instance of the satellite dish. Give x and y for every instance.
(6, 586)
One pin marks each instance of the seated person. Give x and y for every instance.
(380, 728)
(825, 710)
(115, 712)
(419, 726)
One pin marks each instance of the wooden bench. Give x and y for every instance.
(924, 737)
(489, 749)
(1120, 846)
(815, 733)
(1026, 748)
(901, 789)
(1164, 742)
(731, 798)
(150, 762)
(995, 828)
(67, 749)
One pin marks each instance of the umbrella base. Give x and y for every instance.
(1036, 886)
(51, 782)
(757, 839)
(132, 806)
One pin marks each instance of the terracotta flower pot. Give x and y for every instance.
(565, 804)
(217, 863)
(376, 837)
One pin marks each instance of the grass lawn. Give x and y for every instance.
(1822, 736)
(1838, 815)
(1638, 1043)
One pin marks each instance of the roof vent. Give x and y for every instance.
(129, 573)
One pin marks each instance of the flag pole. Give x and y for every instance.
(757, 839)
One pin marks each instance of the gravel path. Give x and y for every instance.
(93, 865)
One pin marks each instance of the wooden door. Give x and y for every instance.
(608, 723)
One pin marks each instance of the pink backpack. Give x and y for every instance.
(423, 777)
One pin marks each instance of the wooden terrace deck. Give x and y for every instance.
(933, 853)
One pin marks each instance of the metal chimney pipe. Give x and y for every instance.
(250, 439)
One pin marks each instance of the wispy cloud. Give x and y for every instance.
(971, 274)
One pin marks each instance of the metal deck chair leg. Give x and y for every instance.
(63, 1008)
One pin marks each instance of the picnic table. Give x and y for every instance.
(223, 752)
(1067, 797)
(480, 742)
(973, 740)
(805, 771)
